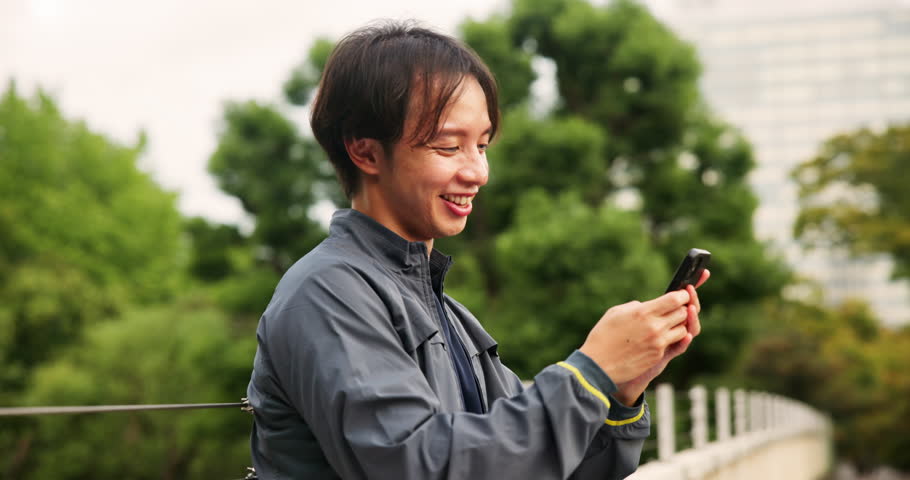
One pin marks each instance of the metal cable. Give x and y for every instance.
(28, 411)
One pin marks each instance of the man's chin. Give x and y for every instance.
(451, 230)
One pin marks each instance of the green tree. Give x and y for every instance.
(224, 264)
(183, 353)
(630, 129)
(82, 233)
(854, 194)
(214, 249)
(492, 39)
(853, 197)
(305, 77)
(841, 361)
(277, 175)
(83, 236)
(560, 269)
(616, 65)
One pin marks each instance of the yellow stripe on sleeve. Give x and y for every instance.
(603, 398)
(584, 383)
(627, 421)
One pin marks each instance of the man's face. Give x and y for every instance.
(425, 191)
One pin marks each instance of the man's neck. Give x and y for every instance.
(362, 204)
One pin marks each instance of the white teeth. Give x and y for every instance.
(458, 199)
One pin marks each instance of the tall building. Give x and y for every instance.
(790, 75)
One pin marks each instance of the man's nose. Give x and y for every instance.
(476, 170)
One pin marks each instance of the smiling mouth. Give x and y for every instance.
(461, 200)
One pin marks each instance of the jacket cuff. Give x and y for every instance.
(590, 375)
(592, 372)
(623, 415)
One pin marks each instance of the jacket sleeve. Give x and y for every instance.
(615, 451)
(342, 365)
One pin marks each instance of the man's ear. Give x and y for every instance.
(366, 153)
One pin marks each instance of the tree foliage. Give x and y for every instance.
(841, 361)
(184, 353)
(854, 194)
(82, 233)
(629, 131)
(84, 200)
(277, 175)
(214, 249)
(559, 256)
(616, 65)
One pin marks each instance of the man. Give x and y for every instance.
(365, 368)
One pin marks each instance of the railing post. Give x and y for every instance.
(768, 401)
(666, 435)
(776, 410)
(739, 410)
(722, 413)
(755, 412)
(699, 412)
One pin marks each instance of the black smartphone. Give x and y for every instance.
(689, 271)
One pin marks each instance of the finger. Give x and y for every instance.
(675, 334)
(693, 298)
(678, 348)
(705, 275)
(667, 302)
(677, 316)
(693, 324)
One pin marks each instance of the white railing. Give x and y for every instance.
(770, 436)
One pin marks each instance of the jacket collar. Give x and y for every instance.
(386, 246)
(393, 251)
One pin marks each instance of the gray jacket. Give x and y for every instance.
(352, 379)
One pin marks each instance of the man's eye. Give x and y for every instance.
(483, 147)
(446, 149)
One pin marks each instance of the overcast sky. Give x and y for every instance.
(167, 66)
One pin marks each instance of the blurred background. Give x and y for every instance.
(157, 176)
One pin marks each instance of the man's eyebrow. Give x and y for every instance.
(459, 132)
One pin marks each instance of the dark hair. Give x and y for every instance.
(371, 79)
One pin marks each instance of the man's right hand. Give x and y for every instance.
(633, 337)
